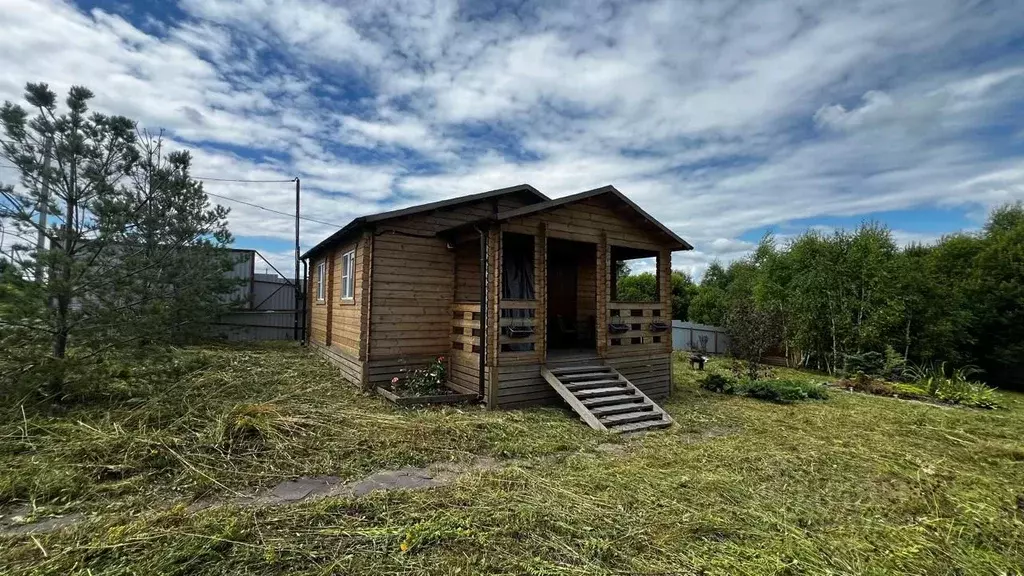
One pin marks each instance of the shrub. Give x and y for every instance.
(784, 391)
(428, 381)
(870, 363)
(745, 371)
(895, 364)
(956, 388)
(909, 390)
(718, 383)
(966, 393)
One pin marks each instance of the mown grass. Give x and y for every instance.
(853, 485)
(237, 419)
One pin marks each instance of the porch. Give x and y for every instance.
(551, 302)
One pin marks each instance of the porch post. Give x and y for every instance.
(665, 293)
(493, 327)
(603, 296)
(540, 275)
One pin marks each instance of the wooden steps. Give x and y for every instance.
(605, 400)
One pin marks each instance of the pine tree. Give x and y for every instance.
(131, 250)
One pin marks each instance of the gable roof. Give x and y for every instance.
(360, 221)
(610, 190)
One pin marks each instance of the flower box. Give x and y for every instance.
(453, 398)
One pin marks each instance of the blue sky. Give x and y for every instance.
(723, 119)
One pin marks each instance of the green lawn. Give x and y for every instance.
(855, 484)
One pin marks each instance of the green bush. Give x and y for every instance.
(784, 391)
(718, 383)
(870, 363)
(781, 391)
(966, 393)
(955, 388)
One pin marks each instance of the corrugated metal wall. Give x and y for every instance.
(268, 309)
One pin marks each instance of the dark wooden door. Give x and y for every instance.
(562, 294)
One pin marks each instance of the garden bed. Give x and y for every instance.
(447, 398)
(935, 388)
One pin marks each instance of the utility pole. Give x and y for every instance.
(44, 206)
(298, 290)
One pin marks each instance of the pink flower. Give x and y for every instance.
(440, 358)
(394, 380)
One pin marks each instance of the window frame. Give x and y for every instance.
(321, 281)
(348, 275)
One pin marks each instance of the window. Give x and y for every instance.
(321, 280)
(634, 275)
(348, 275)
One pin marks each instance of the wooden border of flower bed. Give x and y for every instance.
(414, 400)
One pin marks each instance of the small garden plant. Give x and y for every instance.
(427, 381)
(781, 391)
(954, 388)
(931, 382)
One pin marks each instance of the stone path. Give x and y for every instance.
(303, 489)
(306, 489)
(309, 488)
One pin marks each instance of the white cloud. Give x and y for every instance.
(718, 118)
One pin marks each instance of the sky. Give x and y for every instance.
(724, 119)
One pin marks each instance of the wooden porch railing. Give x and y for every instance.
(466, 327)
(518, 322)
(638, 323)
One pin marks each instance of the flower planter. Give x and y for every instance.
(453, 398)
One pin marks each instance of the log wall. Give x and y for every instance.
(351, 367)
(415, 279)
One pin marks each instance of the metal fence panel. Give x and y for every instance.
(269, 304)
(271, 292)
(687, 336)
(252, 326)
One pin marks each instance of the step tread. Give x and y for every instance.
(571, 369)
(572, 377)
(638, 426)
(609, 400)
(590, 384)
(627, 417)
(592, 392)
(608, 409)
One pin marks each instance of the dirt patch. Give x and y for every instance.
(613, 449)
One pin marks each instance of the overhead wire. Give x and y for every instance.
(250, 204)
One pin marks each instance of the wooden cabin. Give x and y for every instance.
(507, 285)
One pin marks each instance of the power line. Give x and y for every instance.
(244, 181)
(272, 210)
(211, 179)
(206, 178)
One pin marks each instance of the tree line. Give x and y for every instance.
(115, 249)
(829, 296)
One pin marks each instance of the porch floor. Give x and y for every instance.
(568, 356)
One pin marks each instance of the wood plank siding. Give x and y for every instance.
(337, 324)
(413, 280)
(417, 295)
